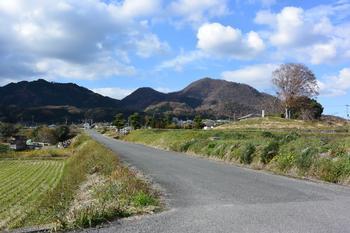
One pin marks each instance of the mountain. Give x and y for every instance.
(209, 97)
(41, 93)
(43, 101)
(142, 98)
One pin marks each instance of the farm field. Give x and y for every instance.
(23, 184)
(59, 189)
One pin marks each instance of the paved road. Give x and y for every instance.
(208, 196)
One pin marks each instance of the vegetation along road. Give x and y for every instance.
(208, 196)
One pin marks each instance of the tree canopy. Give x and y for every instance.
(119, 121)
(294, 81)
(135, 120)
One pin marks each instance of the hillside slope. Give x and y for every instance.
(43, 101)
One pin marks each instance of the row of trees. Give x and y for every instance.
(159, 121)
(297, 86)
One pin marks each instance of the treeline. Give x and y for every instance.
(158, 121)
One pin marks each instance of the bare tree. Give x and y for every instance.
(293, 81)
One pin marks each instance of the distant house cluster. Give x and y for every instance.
(22, 143)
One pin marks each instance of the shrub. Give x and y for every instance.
(62, 133)
(247, 154)
(290, 137)
(185, 146)
(220, 150)
(305, 159)
(142, 199)
(338, 150)
(328, 171)
(269, 152)
(45, 134)
(267, 134)
(4, 148)
(285, 162)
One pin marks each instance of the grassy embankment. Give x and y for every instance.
(77, 187)
(318, 155)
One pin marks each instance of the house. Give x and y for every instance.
(87, 126)
(125, 130)
(209, 123)
(18, 143)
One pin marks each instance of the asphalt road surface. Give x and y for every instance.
(208, 196)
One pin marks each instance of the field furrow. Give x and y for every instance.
(23, 184)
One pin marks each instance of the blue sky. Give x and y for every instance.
(114, 47)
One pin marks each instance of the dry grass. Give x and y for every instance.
(270, 123)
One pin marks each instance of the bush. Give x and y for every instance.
(305, 159)
(4, 148)
(247, 154)
(327, 170)
(338, 150)
(8, 130)
(267, 134)
(62, 133)
(45, 134)
(269, 152)
(290, 137)
(285, 162)
(185, 146)
(142, 199)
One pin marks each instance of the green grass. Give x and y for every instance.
(23, 184)
(324, 156)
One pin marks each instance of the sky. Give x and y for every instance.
(114, 47)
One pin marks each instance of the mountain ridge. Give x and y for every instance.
(51, 101)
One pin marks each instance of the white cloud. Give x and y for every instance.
(336, 85)
(75, 39)
(265, 17)
(181, 60)
(258, 76)
(217, 41)
(113, 92)
(226, 41)
(150, 45)
(101, 68)
(323, 52)
(137, 8)
(197, 12)
(265, 3)
(289, 27)
(312, 35)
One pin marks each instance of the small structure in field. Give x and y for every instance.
(18, 143)
(87, 126)
(253, 115)
(125, 130)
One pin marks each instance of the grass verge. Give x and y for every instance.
(312, 155)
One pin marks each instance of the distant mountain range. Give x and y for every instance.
(43, 101)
